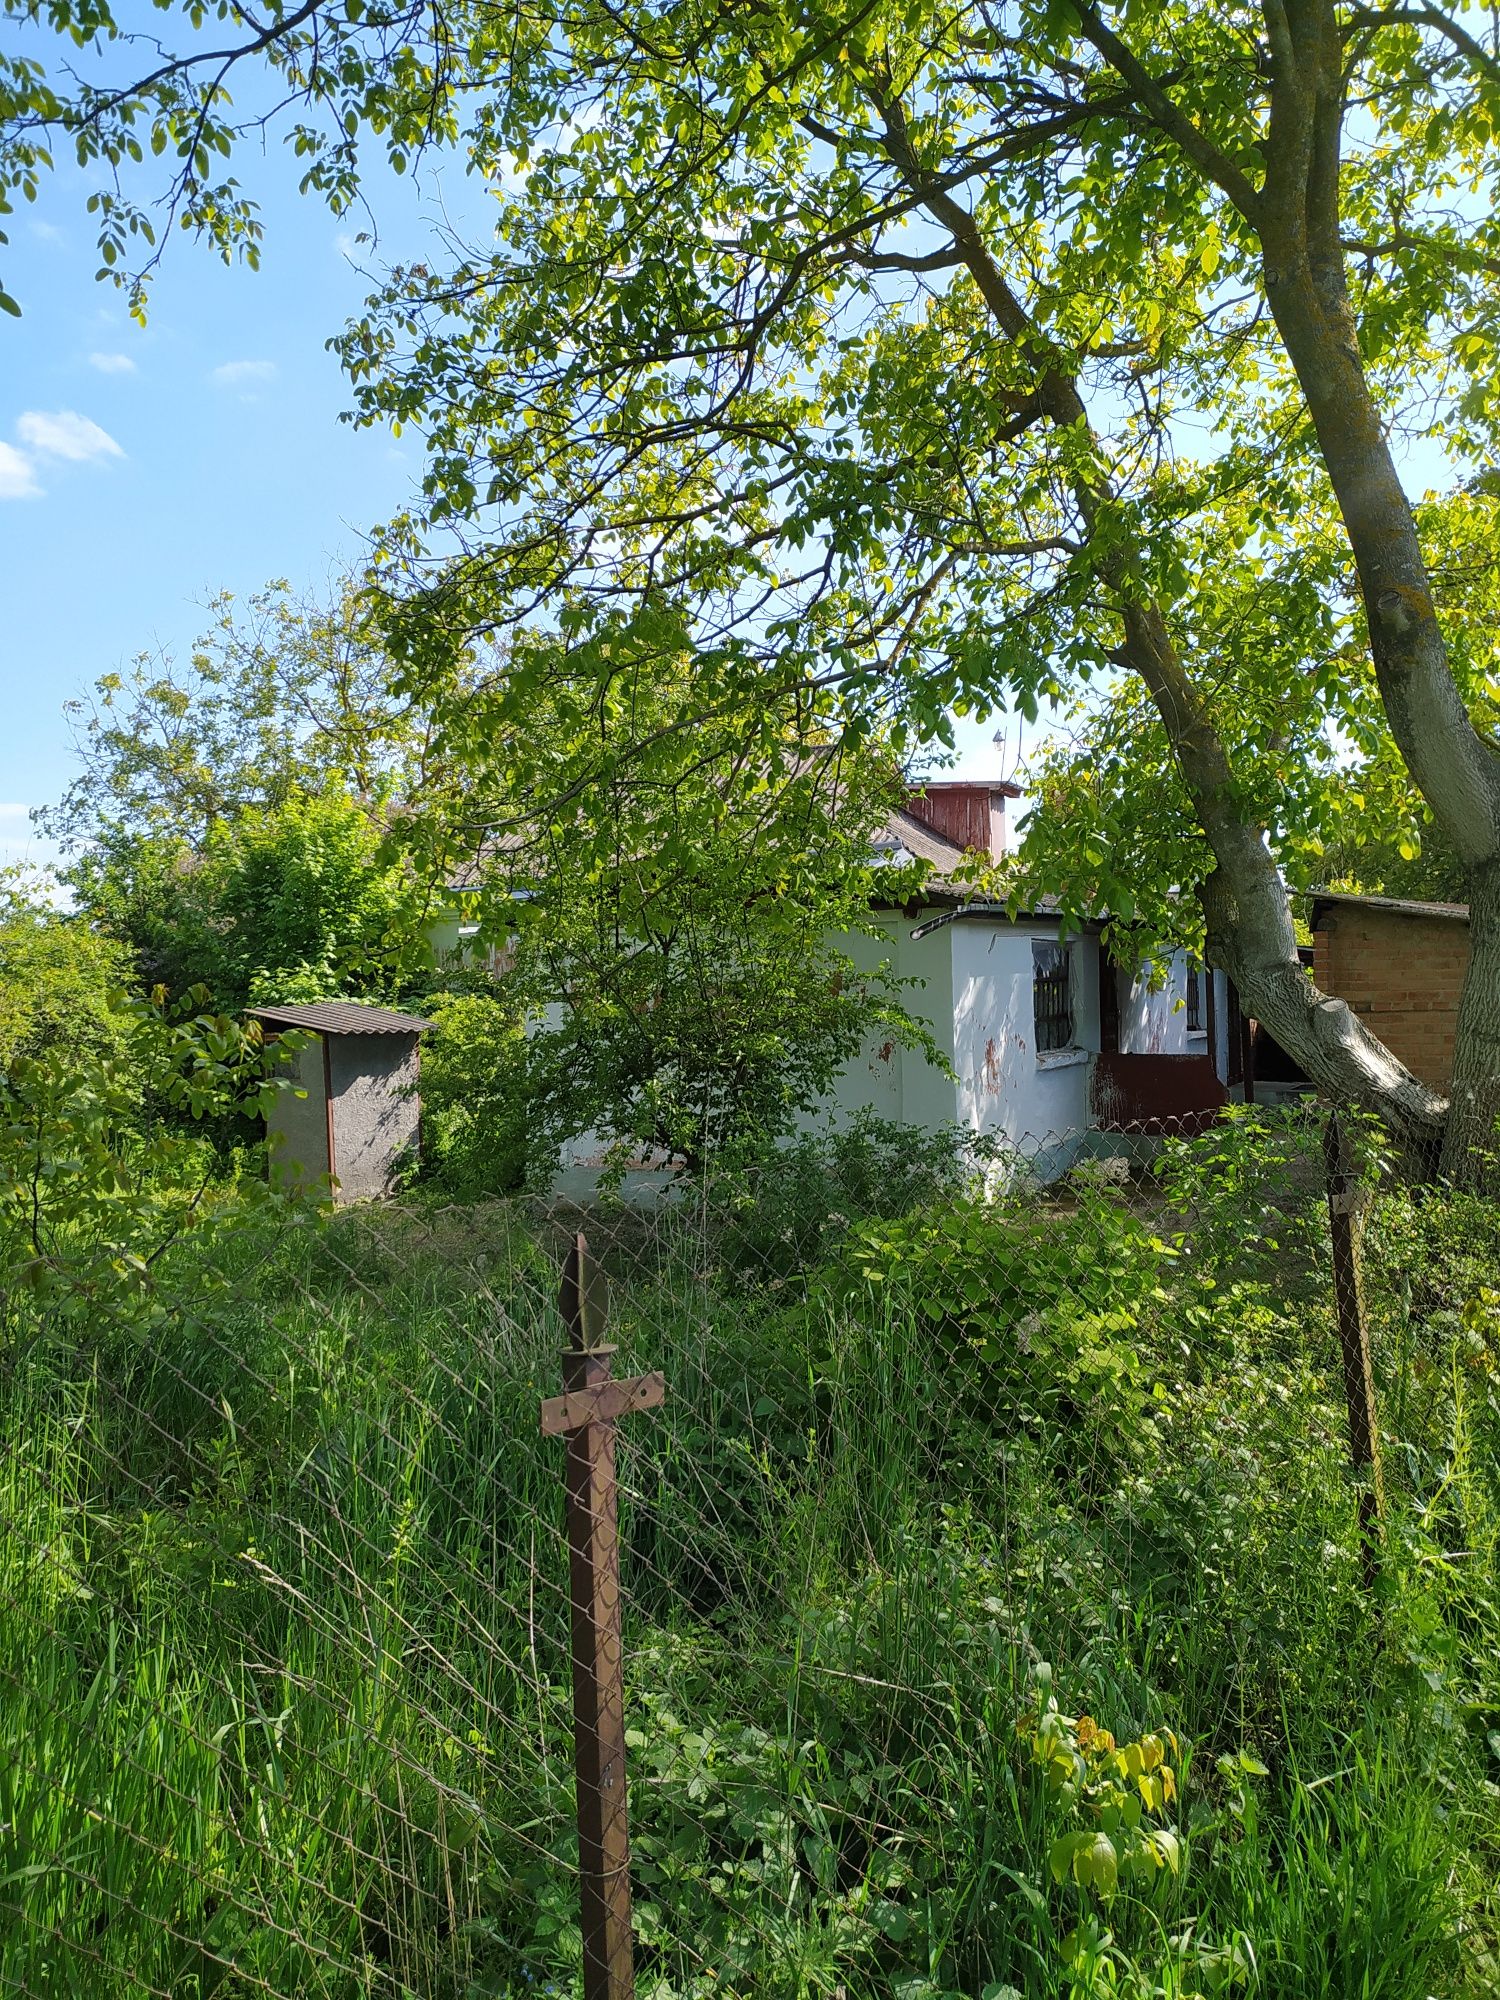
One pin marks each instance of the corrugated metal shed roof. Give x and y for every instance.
(1398, 906)
(343, 1017)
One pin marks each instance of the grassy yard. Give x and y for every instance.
(962, 1523)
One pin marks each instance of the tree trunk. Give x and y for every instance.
(1249, 917)
(1471, 1143)
(1297, 219)
(1321, 1032)
(1453, 767)
(1249, 921)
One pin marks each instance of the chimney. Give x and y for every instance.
(969, 811)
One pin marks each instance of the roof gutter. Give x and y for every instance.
(952, 916)
(1002, 912)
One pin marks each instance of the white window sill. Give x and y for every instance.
(1060, 1058)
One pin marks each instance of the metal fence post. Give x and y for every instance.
(587, 1414)
(1346, 1199)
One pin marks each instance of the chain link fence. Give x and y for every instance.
(990, 1588)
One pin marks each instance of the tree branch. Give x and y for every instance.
(1439, 22)
(1168, 117)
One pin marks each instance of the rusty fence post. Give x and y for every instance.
(1346, 1200)
(586, 1414)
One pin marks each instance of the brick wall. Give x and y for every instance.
(1401, 975)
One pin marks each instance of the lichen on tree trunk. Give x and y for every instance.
(1471, 1142)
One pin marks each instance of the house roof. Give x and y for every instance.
(898, 830)
(904, 830)
(1043, 909)
(1323, 900)
(343, 1017)
(1005, 785)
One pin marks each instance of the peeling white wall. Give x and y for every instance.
(1006, 1085)
(1153, 1018)
(892, 1081)
(976, 996)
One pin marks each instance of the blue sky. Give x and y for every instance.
(142, 470)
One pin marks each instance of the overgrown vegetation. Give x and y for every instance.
(994, 1616)
(57, 975)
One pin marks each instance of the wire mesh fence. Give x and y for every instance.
(993, 1539)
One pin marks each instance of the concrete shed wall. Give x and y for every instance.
(297, 1130)
(976, 996)
(1154, 1019)
(376, 1115)
(1402, 974)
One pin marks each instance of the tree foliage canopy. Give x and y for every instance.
(931, 357)
(676, 915)
(60, 976)
(231, 818)
(279, 695)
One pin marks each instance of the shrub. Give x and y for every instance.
(99, 1170)
(475, 1098)
(58, 975)
(1052, 1304)
(1250, 1187)
(780, 1209)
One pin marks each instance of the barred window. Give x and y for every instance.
(1194, 997)
(1052, 994)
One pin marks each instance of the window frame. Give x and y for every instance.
(1195, 972)
(1054, 984)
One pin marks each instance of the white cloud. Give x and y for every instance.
(47, 232)
(112, 364)
(13, 812)
(243, 374)
(17, 482)
(65, 434)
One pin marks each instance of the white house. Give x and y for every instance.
(1047, 1037)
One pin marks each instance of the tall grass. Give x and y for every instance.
(284, 1638)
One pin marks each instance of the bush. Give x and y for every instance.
(780, 1209)
(1250, 1187)
(1052, 1303)
(58, 976)
(101, 1171)
(475, 1125)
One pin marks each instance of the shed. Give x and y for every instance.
(1401, 965)
(355, 1118)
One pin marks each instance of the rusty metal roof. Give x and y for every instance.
(343, 1017)
(1391, 906)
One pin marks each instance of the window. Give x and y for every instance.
(1052, 994)
(1194, 997)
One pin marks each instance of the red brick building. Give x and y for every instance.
(1401, 967)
